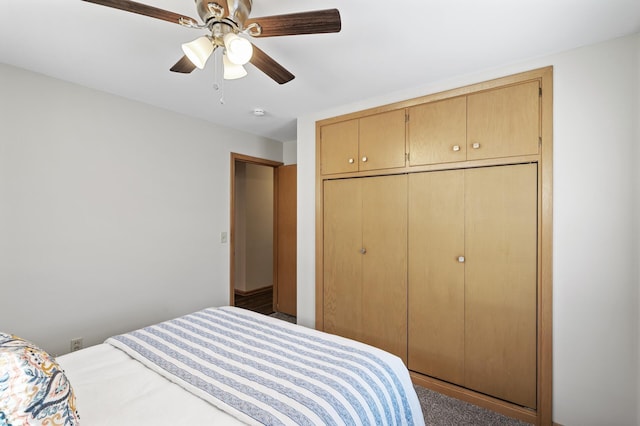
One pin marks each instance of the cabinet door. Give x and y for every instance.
(382, 140)
(436, 274)
(339, 147)
(504, 122)
(500, 282)
(342, 257)
(438, 132)
(384, 264)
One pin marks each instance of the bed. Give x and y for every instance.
(232, 366)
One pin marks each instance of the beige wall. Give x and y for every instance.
(259, 226)
(110, 211)
(254, 226)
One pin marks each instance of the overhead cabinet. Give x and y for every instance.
(501, 122)
(360, 144)
(496, 123)
(504, 122)
(438, 132)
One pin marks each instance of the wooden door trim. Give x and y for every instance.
(545, 295)
(281, 184)
(232, 219)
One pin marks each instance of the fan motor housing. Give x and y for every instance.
(236, 10)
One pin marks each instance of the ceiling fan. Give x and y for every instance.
(225, 20)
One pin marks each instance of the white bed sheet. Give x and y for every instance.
(134, 395)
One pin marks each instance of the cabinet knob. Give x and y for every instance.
(364, 159)
(363, 250)
(456, 147)
(475, 145)
(460, 259)
(351, 160)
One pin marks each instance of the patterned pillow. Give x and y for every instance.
(33, 388)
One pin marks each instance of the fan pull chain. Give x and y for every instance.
(218, 83)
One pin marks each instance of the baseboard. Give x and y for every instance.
(481, 400)
(253, 292)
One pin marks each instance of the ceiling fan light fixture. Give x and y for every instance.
(198, 51)
(232, 71)
(239, 50)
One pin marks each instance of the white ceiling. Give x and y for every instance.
(383, 47)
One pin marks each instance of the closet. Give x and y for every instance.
(433, 238)
(472, 279)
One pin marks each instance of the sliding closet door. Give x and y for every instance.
(384, 263)
(365, 261)
(500, 282)
(436, 274)
(343, 261)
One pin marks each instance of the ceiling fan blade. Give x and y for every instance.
(270, 67)
(143, 9)
(184, 65)
(319, 21)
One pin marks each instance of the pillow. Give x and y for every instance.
(33, 388)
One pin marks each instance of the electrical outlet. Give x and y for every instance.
(223, 237)
(76, 344)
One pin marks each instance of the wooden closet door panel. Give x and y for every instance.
(382, 140)
(339, 147)
(504, 122)
(384, 265)
(436, 276)
(342, 258)
(501, 281)
(285, 286)
(438, 132)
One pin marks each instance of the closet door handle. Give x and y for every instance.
(364, 159)
(351, 160)
(456, 148)
(460, 259)
(475, 145)
(363, 250)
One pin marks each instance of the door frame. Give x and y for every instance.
(232, 221)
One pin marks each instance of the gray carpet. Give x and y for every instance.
(283, 317)
(442, 410)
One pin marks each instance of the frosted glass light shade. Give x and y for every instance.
(232, 71)
(198, 51)
(239, 50)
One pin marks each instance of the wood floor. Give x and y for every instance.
(261, 301)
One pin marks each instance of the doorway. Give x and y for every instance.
(254, 235)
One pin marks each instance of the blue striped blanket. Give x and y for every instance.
(267, 371)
